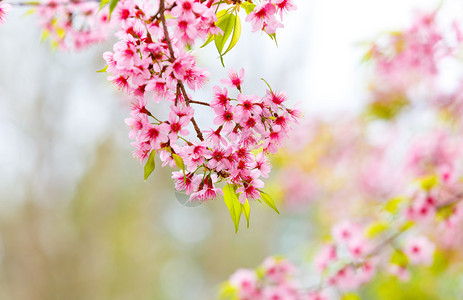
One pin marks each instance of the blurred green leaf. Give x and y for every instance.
(112, 6)
(350, 296)
(428, 182)
(228, 292)
(399, 258)
(376, 228)
(103, 70)
(393, 204)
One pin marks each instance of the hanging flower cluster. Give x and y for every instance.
(151, 63)
(73, 25)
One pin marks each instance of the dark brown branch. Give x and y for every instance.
(162, 17)
(199, 102)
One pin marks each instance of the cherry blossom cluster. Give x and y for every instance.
(274, 279)
(150, 61)
(73, 25)
(4, 8)
(409, 66)
(263, 15)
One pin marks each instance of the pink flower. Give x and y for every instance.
(262, 165)
(263, 18)
(4, 9)
(234, 79)
(246, 282)
(400, 271)
(248, 106)
(284, 5)
(250, 190)
(325, 257)
(345, 231)
(189, 182)
(420, 250)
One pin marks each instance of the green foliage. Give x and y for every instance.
(376, 228)
(269, 201)
(103, 70)
(178, 161)
(228, 292)
(399, 258)
(350, 296)
(150, 164)
(230, 24)
(392, 206)
(234, 206)
(248, 7)
(388, 108)
(112, 5)
(246, 209)
(428, 182)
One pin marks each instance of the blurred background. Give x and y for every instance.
(77, 221)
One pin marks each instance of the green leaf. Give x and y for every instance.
(228, 292)
(112, 6)
(269, 201)
(226, 23)
(103, 3)
(350, 296)
(150, 164)
(392, 206)
(273, 36)
(399, 258)
(406, 226)
(376, 228)
(246, 208)
(234, 206)
(210, 38)
(103, 70)
(428, 182)
(248, 7)
(178, 161)
(236, 34)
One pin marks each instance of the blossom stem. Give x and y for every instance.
(199, 102)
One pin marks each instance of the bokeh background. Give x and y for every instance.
(77, 221)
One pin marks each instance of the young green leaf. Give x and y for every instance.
(178, 161)
(236, 34)
(376, 229)
(112, 6)
(246, 208)
(103, 3)
(399, 258)
(226, 23)
(273, 36)
(234, 206)
(269, 201)
(103, 70)
(248, 7)
(210, 38)
(150, 164)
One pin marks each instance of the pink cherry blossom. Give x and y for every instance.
(420, 250)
